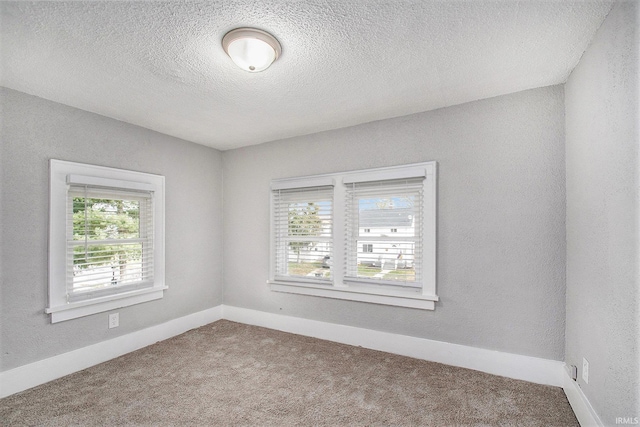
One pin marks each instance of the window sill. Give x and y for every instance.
(98, 305)
(400, 298)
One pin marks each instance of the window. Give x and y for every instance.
(303, 227)
(380, 205)
(106, 239)
(364, 235)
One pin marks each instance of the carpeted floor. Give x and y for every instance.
(227, 373)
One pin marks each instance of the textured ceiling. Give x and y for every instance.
(160, 65)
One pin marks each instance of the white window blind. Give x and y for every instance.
(303, 233)
(109, 241)
(384, 232)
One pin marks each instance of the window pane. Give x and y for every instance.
(385, 229)
(381, 216)
(309, 257)
(102, 219)
(387, 260)
(99, 266)
(109, 242)
(310, 219)
(303, 227)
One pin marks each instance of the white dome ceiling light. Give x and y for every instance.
(251, 49)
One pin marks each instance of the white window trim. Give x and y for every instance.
(61, 174)
(423, 298)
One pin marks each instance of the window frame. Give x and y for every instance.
(422, 297)
(62, 175)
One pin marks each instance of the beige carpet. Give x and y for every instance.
(227, 373)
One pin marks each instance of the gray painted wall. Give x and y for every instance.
(501, 220)
(35, 130)
(603, 211)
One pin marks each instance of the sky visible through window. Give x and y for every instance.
(385, 203)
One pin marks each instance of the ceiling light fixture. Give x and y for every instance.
(251, 49)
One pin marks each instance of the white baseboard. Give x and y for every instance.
(533, 369)
(586, 415)
(537, 370)
(42, 371)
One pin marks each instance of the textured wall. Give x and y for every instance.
(501, 220)
(603, 210)
(35, 130)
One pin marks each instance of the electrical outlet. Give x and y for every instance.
(585, 370)
(114, 320)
